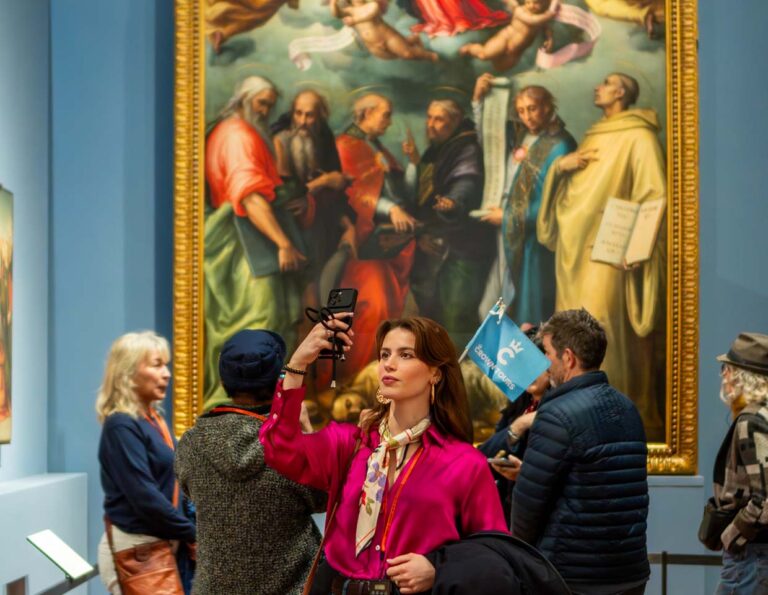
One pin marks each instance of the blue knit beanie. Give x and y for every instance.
(251, 360)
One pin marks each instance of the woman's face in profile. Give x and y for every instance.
(402, 375)
(151, 378)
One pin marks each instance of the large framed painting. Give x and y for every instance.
(438, 156)
(6, 311)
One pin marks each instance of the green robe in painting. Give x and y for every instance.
(243, 286)
(235, 299)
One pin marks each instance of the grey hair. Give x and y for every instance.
(753, 387)
(364, 104)
(452, 108)
(244, 91)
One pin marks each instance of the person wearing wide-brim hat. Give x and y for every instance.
(744, 484)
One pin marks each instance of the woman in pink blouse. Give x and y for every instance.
(414, 480)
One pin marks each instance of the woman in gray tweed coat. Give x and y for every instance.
(255, 534)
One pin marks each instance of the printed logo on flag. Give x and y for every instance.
(506, 355)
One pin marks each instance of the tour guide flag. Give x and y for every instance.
(505, 354)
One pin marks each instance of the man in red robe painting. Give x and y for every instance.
(384, 228)
(253, 249)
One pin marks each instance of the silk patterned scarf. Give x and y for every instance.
(376, 477)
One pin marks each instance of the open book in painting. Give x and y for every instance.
(628, 231)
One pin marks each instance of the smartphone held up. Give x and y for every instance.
(339, 300)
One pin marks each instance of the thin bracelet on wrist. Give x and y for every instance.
(514, 437)
(294, 371)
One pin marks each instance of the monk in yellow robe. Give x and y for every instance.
(619, 157)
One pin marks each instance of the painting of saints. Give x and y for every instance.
(306, 156)
(353, 143)
(452, 253)
(376, 194)
(621, 157)
(524, 271)
(251, 253)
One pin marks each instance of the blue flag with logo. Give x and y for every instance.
(505, 354)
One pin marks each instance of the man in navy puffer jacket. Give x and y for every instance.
(582, 493)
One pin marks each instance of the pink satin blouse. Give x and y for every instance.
(448, 493)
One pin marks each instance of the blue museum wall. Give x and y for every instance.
(26, 502)
(111, 216)
(111, 239)
(24, 160)
(734, 202)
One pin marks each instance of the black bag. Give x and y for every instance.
(715, 520)
(713, 523)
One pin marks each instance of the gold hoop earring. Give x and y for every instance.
(432, 396)
(381, 398)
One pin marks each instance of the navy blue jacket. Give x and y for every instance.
(582, 493)
(138, 480)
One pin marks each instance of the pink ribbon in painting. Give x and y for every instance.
(581, 19)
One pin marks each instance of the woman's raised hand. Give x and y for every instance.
(319, 338)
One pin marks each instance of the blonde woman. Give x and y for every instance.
(744, 459)
(136, 452)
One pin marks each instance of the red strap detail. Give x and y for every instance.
(156, 420)
(391, 515)
(225, 409)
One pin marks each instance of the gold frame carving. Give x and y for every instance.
(678, 455)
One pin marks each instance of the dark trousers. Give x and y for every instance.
(640, 590)
(323, 583)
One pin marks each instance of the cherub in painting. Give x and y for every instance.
(381, 39)
(506, 47)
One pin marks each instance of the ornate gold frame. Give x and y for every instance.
(678, 455)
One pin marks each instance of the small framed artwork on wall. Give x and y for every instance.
(6, 309)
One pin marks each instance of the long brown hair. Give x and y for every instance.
(450, 411)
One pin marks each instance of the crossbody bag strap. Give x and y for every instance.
(108, 527)
(328, 521)
(156, 421)
(722, 455)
